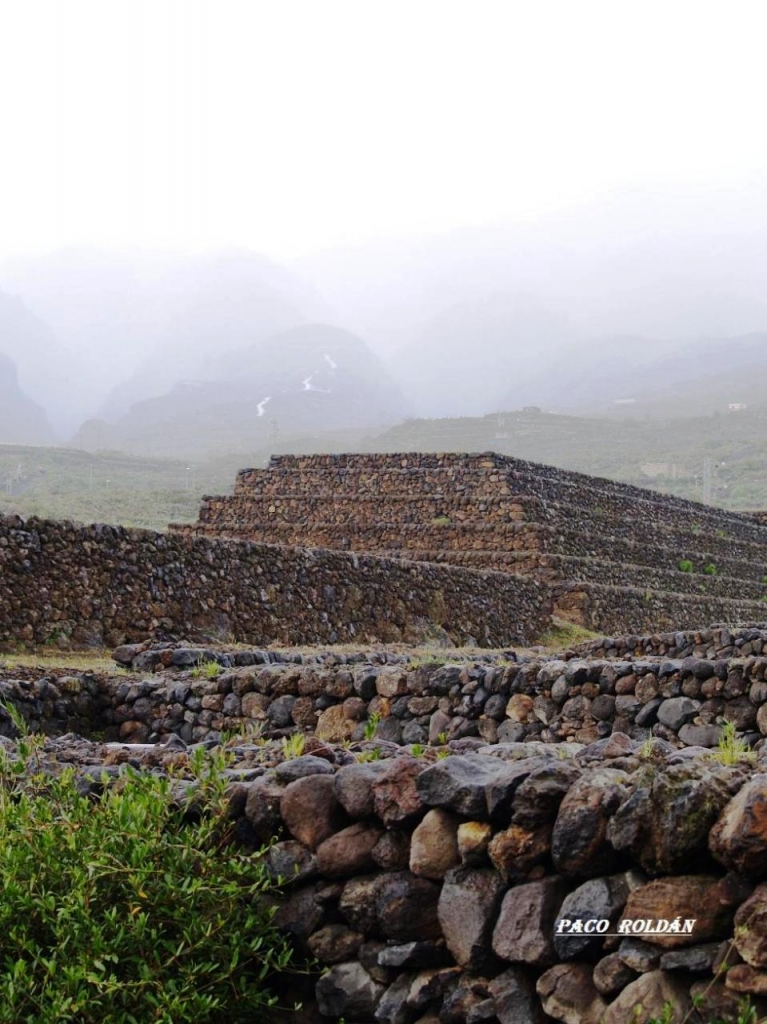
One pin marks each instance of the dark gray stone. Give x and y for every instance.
(677, 711)
(515, 998)
(599, 898)
(698, 959)
(468, 907)
(299, 767)
(414, 955)
(638, 955)
(347, 990)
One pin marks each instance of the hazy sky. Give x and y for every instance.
(290, 125)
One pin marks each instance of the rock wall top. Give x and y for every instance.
(103, 584)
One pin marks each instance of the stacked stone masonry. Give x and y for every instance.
(617, 557)
(100, 585)
(678, 687)
(453, 880)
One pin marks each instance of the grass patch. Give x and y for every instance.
(98, 661)
(566, 634)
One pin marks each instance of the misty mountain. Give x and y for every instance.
(22, 421)
(140, 322)
(312, 378)
(648, 264)
(46, 371)
(465, 361)
(646, 378)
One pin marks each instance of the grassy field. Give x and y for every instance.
(109, 487)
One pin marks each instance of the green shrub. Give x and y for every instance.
(686, 565)
(710, 569)
(120, 908)
(441, 521)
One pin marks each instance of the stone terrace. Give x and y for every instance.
(612, 552)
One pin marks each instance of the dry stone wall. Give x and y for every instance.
(518, 839)
(681, 688)
(515, 883)
(103, 584)
(621, 557)
(471, 889)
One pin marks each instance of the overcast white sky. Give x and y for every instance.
(291, 125)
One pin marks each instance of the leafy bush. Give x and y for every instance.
(710, 569)
(126, 908)
(686, 565)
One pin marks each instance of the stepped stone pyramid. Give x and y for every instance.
(617, 558)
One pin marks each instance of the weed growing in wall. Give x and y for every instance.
(293, 746)
(731, 748)
(371, 725)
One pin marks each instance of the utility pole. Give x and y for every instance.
(707, 489)
(274, 433)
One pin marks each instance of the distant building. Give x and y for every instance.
(737, 406)
(624, 401)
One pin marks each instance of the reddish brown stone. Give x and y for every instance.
(751, 928)
(707, 899)
(743, 978)
(516, 850)
(310, 810)
(739, 839)
(396, 800)
(649, 995)
(348, 852)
